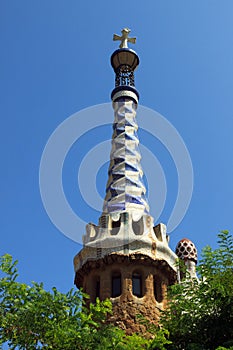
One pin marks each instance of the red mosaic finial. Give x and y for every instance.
(186, 250)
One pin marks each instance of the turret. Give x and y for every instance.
(187, 252)
(125, 257)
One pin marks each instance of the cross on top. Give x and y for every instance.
(124, 38)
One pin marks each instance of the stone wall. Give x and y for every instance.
(96, 279)
(127, 315)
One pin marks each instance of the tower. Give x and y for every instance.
(126, 258)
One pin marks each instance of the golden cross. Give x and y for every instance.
(124, 38)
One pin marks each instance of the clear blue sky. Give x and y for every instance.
(55, 61)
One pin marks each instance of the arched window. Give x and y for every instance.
(97, 287)
(137, 284)
(158, 289)
(116, 285)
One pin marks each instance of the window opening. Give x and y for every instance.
(116, 285)
(137, 284)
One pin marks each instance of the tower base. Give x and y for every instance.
(135, 283)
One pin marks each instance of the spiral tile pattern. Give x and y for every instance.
(125, 188)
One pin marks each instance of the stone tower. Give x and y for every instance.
(126, 258)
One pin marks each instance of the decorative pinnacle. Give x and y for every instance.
(124, 38)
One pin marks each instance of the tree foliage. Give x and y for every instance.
(33, 318)
(200, 313)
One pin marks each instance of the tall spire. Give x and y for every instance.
(125, 257)
(125, 188)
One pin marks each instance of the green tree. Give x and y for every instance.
(32, 318)
(200, 313)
